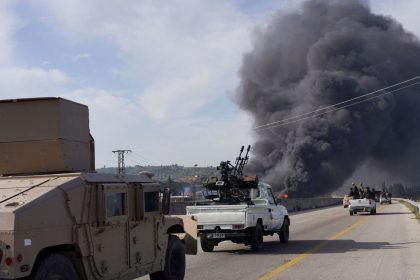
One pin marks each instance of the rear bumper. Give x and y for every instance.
(361, 208)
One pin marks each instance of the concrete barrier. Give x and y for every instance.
(292, 204)
(415, 204)
(298, 204)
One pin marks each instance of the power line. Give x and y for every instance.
(339, 103)
(136, 161)
(121, 163)
(334, 107)
(143, 158)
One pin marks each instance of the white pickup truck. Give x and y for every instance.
(245, 222)
(362, 205)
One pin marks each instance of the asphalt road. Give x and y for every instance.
(324, 244)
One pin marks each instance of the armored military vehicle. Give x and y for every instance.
(61, 220)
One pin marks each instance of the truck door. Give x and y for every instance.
(275, 211)
(143, 236)
(109, 235)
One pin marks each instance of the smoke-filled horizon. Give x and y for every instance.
(323, 54)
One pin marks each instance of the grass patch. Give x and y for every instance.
(411, 208)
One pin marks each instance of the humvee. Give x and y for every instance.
(59, 219)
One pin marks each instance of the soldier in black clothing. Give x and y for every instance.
(368, 193)
(373, 196)
(354, 191)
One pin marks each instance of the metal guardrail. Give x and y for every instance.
(292, 204)
(413, 203)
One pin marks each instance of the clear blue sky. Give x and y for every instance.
(158, 76)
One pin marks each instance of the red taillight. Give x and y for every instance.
(8, 261)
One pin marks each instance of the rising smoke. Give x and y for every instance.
(325, 53)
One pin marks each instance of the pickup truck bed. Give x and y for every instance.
(362, 205)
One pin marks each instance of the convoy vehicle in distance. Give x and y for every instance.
(61, 220)
(240, 209)
(385, 198)
(346, 201)
(362, 205)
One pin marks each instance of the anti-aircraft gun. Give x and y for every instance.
(232, 186)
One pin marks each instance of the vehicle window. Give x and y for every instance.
(271, 199)
(262, 193)
(115, 204)
(151, 201)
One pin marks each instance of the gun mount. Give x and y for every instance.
(232, 186)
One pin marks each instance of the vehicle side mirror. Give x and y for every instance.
(166, 201)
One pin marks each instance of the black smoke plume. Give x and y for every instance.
(325, 53)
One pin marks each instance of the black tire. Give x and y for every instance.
(206, 246)
(256, 236)
(284, 232)
(174, 261)
(56, 267)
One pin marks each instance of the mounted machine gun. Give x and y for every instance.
(232, 186)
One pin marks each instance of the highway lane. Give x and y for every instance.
(385, 246)
(324, 244)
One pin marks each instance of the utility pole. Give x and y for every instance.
(121, 164)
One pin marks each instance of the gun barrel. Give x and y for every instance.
(238, 159)
(243, 161)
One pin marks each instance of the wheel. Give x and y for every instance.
(56, 267)
(284, 232)
(256, 236)
(372, 212)
(351, 213)
(206, 246)
(174, 261)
